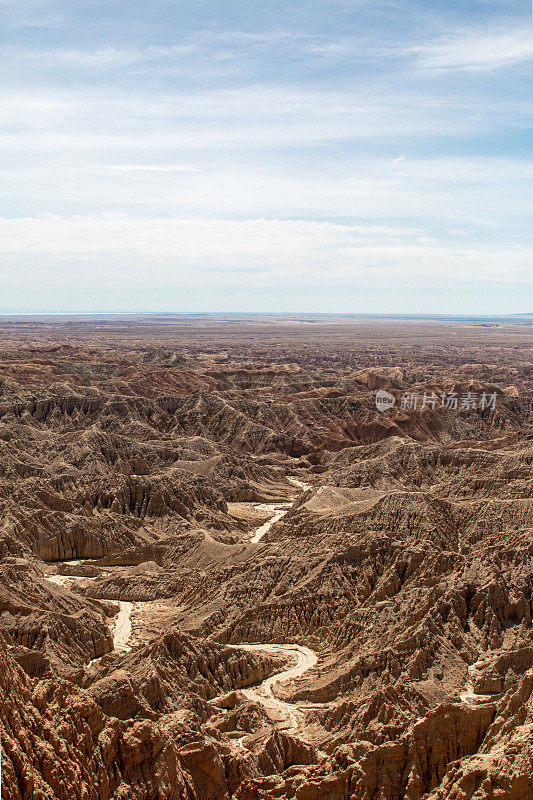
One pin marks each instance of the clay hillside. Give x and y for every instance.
(226, 573)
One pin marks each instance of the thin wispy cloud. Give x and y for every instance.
(151, 168)
(257, 116)
(477, 51)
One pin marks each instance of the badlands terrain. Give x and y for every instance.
(224, 573)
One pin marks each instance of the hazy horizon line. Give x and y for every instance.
(385, 314)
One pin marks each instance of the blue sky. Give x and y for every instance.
(279, 156)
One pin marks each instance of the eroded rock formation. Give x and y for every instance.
(134, 472)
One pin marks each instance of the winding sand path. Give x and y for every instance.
(278, 510)
(122, 628)
(300, 484)
(122, 624)
(289, 713)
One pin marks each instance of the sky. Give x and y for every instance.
(199, 155)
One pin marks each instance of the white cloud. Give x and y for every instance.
(477, 50)
(111, 56)
(150, 168)
(204, 47)
(457, 191)
(474, 49)
(108, 251)
(121, 125)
